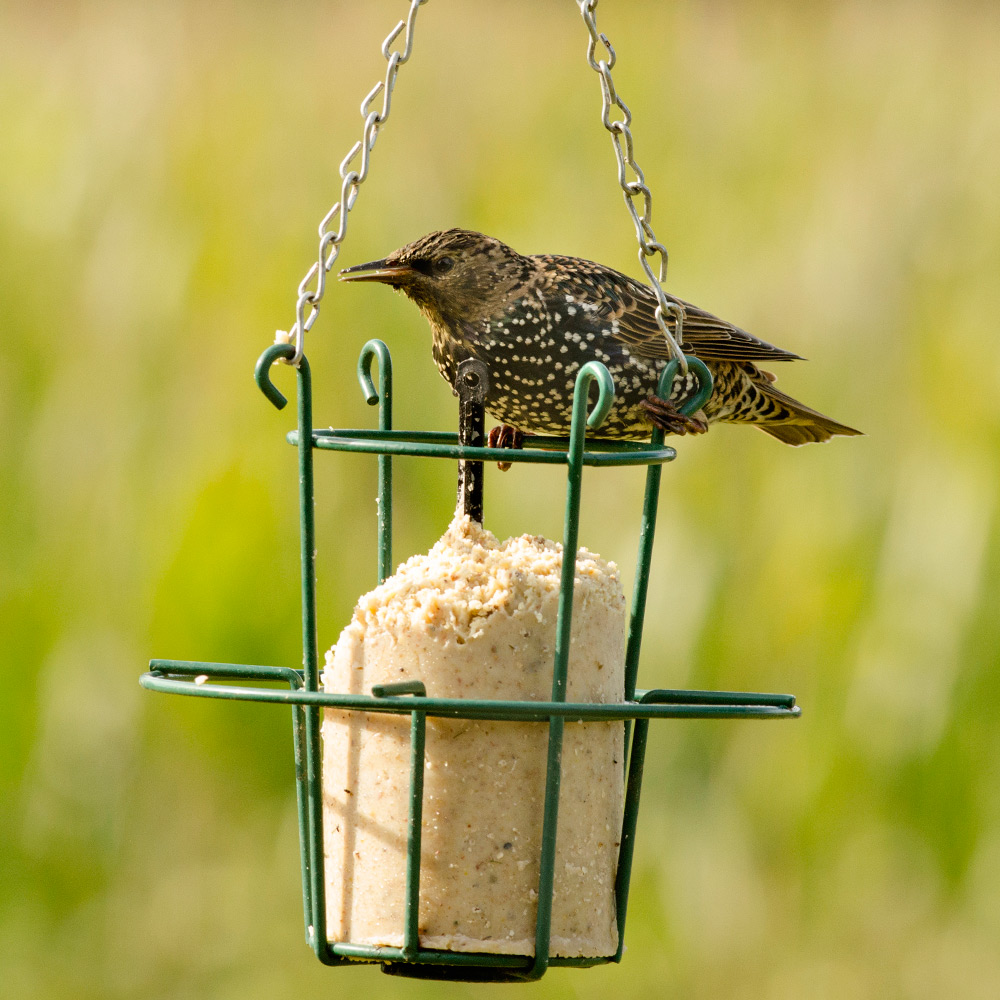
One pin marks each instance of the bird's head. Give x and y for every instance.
(453, 274)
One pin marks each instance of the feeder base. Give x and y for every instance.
(452, 973)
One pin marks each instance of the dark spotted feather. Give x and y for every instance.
(633, 305)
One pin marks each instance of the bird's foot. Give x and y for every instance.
(664, 414)
(505, 436)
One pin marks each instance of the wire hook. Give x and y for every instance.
(702, 375)
(372, 350)
(594, 371)
(262, 372)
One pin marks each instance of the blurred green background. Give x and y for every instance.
(825, 175)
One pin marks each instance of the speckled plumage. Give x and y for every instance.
(536, 320)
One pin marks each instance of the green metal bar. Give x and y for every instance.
(411, 919)
(647, 529)
(302, 807)
(671, 696)
(592, 371)
(384, 953)
(399, 687)
(372, 350)
(649, 509)
(313, 861)
(548, 442)
(658, 696)
(418, 737)
(305, 719)
(547, 861)
(629, 822)
(247, 671)
(451, 973)
(686, 705)
(640, 588)
(401, 443)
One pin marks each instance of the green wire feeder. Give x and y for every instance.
(409, 697)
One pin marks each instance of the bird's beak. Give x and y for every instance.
(391, 272)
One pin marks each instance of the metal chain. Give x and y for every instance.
(330, 239)
(621, 138)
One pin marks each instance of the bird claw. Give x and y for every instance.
(505, 436)
(664, 414)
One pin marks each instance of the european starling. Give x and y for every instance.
(534, 321)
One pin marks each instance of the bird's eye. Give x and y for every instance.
(443, 265)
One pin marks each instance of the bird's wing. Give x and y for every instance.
(626, 311)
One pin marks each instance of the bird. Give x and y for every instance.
(535, 320)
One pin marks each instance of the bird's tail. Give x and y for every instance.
(790, 421)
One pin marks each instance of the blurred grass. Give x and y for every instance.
(823, 175)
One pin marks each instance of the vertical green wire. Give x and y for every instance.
(418, 739)
(411, 920)
(590, 372)
(305, 736)
(302, 808)
(649, 508)
(634, 762)
(372, 350)
(648, 528)
(310, 659)
(630, 819)
(640, 589)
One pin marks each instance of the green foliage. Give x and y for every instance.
(825, 176)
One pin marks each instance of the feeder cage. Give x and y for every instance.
(306, 698)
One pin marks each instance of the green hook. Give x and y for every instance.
(262, 372)
(590, 372)
(375, 349)
(700, 370)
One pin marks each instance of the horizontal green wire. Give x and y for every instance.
(541, 450)
(548, 442)
(381, 953)
(657, 704)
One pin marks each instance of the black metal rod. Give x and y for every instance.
(471, 386)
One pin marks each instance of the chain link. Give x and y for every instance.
(634, 189)
(334, 225)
